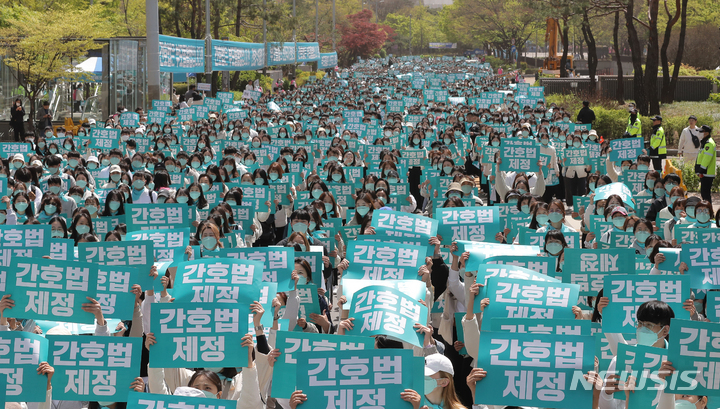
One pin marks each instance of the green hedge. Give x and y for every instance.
(691, 180)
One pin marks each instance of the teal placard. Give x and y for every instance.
(518, 298)
(316, 264)
(531, 238)
(576, 157)
(642, 362)
(113, 291)
(404, 225)
(519, 155)
(634, 180)
(712, 306)
(62, 249)
(616, 188)
(129, 120)
(387, 311)
(588, 267)
(621, 239)
(77, 329)
(278, 263)
(53, 290)
(381, 261)
(31, 240)
(535, 326)
(485, 271)
(105, 138)
(703, 261)
(627, 292)
(468, 223)
(103, 225)
(193, 335)
(535, 370)
(538, 264)
(480, 251)
(374, 377)
(142, 400)
(153, 216)
(218, 280)
(294, 344)
(460, 331)
(413, 288)
(94, 368)
(243, 216)
(24, 384)
(168, 244)
(693, 350)
(138, 254)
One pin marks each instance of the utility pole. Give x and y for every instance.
(294, 40)
(152, 40)
(208, 41)
(265, 47)
(333, 27)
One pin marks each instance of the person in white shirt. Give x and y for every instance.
(689, 143)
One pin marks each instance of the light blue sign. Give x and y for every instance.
(281, 54)
(327, 60)
(20, 356)
(293, 345)
(191, 335)
(381, 260)
(141, 400)
(694, 352)
(218, 280)
(307, 52)
(94, 368)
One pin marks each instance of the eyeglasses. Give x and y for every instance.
(648, 325)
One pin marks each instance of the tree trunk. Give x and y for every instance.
(651, 62)
(592, 52)
(238, 16)
(564, 39)
(176, 17)
(679, 55)
(663, 51)
(620, 90)
(636, 52)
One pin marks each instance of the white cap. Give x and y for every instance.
(19, 156)
(592, 132)
(58, 330)
(188, 391)
(93, 159)
(115, 169)
(91, 121)
(435, 363)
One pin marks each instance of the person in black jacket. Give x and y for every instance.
(17, 116)
(670, 181)
(586, 115)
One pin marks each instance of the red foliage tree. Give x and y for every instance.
(360, 37)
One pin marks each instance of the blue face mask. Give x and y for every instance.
(641, 236)
(542, 219)
(555, 217)
(592, 186)
(525, 209)
(429, 385)
(554, 248)
(209, 242)
(646, 337)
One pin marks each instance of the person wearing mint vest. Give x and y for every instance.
(705, 162)
(658, 150)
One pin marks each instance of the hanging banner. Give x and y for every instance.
(20, 356)
(307, 52)
(327, 60)
(281, 54)
(94, 368)
(218, 280)
(534, 370)
(191, 335)
(181, 55)
(53, 290)
(237, 56)
(387, 311)
(293, 344)
(356, 379)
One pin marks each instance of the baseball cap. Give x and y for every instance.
(435, 363)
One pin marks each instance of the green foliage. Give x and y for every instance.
(691, 180)
(610, 123)
(180, 88)
(524, 66)
(714, 97)
(303, 77)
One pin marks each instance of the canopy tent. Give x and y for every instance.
(92, 65)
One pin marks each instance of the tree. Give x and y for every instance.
(39, 53)
(360, 37)
(620, 90)
(670, 81)
(592, 51)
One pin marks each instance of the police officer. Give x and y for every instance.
(705, 162)
(658, 151)
(634, 127)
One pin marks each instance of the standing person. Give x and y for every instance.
(17, 115)
(705, 163)
(658, 150)
(586, 115)
(634, 126)
(190, 93)
(689, 143)
(44, 116)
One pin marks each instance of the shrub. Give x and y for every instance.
(523, 66)
(691, 180)
(303, 77)
(714, 97)
(610, 123)
(180, 87)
